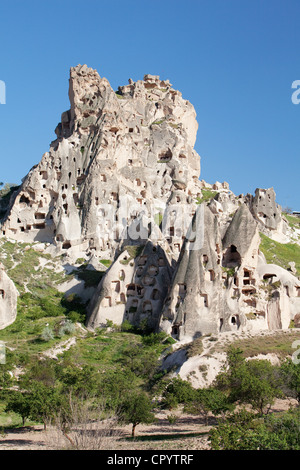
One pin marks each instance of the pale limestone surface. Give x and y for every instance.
(8, 299)
(121, 183)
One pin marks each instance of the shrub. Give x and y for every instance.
(127, 326)
(245, 431)
(47, 334)
(67, 328)
(172, 418)
(178, 391)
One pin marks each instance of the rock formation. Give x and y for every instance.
(116, 155)
(8, 299)
(134, 288)
(121, 182)
(226, 284)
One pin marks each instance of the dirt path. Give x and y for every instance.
(187, 433)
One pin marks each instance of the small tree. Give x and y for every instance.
(259, 385)
(19, 403)
(78, 381)
(290, 372)
(136, 409)
(44, 402)
(178, 391)
(256, 382)
(209, 400)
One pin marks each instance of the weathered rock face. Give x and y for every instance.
(8, 299)
(192, 306)
(279, 296)
(203, 297)
(121, 182)
(225, 285)
(268, 214)
(265, 209)
(116, 155)
(133, 289)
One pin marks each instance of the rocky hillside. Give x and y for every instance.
(118, 198)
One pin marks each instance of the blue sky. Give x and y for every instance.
(235, 60)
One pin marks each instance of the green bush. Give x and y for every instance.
(246, 431)
(154, 338)
(254, 382)
(177, 392)
(127, 326)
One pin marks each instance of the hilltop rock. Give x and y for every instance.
(120, 183)
(116, 155)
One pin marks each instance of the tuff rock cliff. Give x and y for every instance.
(121, 183)
(8, 299)
(116, 155)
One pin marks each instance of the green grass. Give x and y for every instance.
(294, 222)
(158, 218)
(280, 344)
(117, 352)
(159, 121)
(22, 262)
(279, 253)
(106, 262)
(207, 195)
(103, 350)
(39, 301)
(23, 339)
(35, 312)
(134, 251)
(118, 95)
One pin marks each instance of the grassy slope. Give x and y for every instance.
(294, 222)
(280, 343)
(39, 303)
(281, 254)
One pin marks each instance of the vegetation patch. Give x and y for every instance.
(207, 195)
(279, 344)
(279, 253)
(158, 218)
(134, 251)
(157, 122)
(106, 262)
(91, 277)
(195, 348)
(293, 221)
